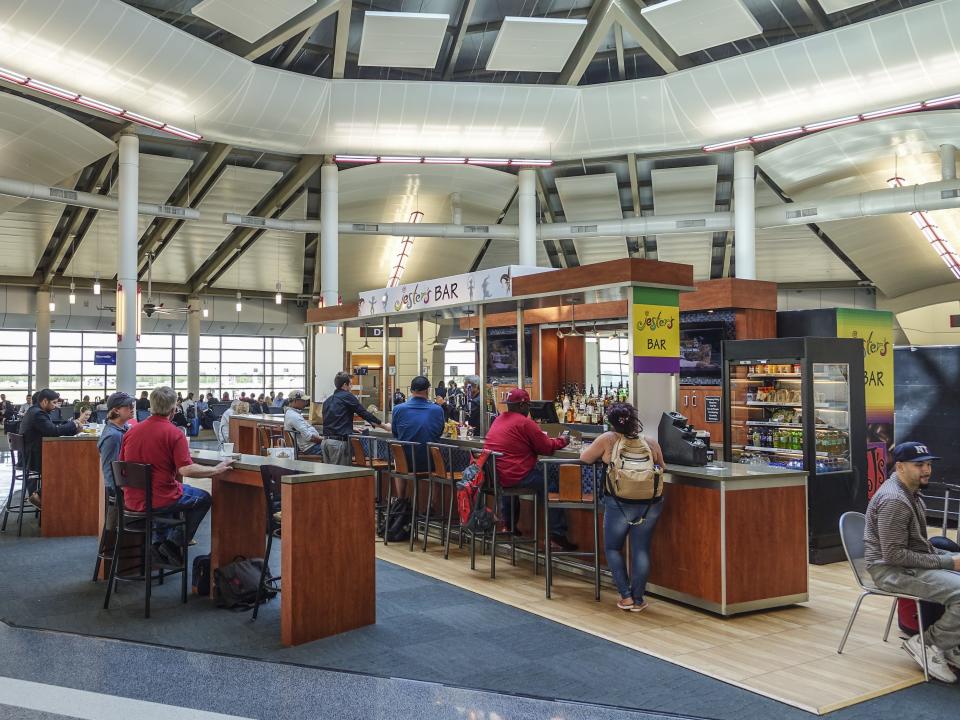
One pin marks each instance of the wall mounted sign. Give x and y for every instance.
(711, 408)
(656, 330)
(374, 331)
(465, 289)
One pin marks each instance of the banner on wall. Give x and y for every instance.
(875, 329)
(656, 330)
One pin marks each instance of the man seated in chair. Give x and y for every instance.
(900, 558)
(417, 420)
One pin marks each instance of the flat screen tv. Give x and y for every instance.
(701, 347)
(502, 354)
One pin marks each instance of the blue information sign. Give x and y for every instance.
(104, 357)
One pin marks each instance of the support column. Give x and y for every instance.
(482, 365)
(521, 357)
(127, 267)
(329, 240)
(527, 198)
(948, 162)
(385, 364)
(42, 379)
(420, 344)
(744, 215)
(193, 347)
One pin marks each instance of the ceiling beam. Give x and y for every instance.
(550, 246)
(343, 39)
(292, 48)
(466, 11)
(634, 245)
(278, 36)
(618, 47)
(109, 285)
(190, 192)
(486, 243)
(269, 206)
(815, 14)
(627, 13)
(599, 20)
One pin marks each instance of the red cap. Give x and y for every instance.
(518, 395)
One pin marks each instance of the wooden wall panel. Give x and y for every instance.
(730, 293)
(573, 351)
(549, 364)
(755, 324)
(71, 487)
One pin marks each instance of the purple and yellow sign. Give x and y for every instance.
(875, 329)
(656, 330)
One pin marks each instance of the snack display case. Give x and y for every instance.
(798, 403)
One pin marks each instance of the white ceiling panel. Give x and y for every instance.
(98, 252)
(40, 145)
(691, 25)
(249, 19)
(403, 40)
(685, 190)
(832, 6)
(593, 197)
(24, 234)
(534, 44)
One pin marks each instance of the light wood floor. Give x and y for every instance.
(788, 654)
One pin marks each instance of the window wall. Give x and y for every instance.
(228, 364)
(459, 360)
(615, 362)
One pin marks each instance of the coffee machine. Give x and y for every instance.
(679, 441)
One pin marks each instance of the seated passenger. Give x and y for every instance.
(417, 420)
(900, 558)
(237, 407)
(308, 437)
(121, 408)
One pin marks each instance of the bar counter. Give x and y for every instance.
(71, 486)
(327, 545)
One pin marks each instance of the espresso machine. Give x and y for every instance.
(679, 441)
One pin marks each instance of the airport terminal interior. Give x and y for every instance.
(306, 264)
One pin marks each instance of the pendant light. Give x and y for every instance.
(53, 302)
(205, 312)
(366, 338)
(278, 298)
(96, 284)
(72, 297)
(239, 302)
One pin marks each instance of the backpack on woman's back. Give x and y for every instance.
(632, 473)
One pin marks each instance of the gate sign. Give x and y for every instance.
(104, 357)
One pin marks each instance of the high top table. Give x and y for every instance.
(72, 488)
(327, 545)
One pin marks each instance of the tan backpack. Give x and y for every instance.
(632, 473)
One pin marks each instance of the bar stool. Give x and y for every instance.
(571, 470)
(18, 458)
(379, 466)
(441, 473)
(402, 468)
(291, 437)
(270, 476)
(266, 437)
(131, 522)
(512, 538)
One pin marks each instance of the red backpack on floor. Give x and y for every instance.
(474, 515)
(907, 609)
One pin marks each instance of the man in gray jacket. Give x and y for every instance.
(901, 559)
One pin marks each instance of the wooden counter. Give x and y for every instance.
(72, 489)
(327, 545)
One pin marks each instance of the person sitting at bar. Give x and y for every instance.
(471, 401)
(36, 425)
(900, 558)
(521, 441)
(277, 401)
(144, 402)
(636, 518)
(255, 406)
(237, 407)
(338, 412)
(417, 420)
(121, 408)
(160, 444)
(27, 405)
(308, 437)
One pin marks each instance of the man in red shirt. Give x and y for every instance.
(158, 442)
(521, 440)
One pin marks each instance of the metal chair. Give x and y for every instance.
(951, 493)
(270, 475)
(404, 468)
(132, 522)
(266, 437)
(379, 466)
(217, 425)
(18, 472)
(292, 437)
(441, 473)
(510, 534)
(589, 502)
(851, 534)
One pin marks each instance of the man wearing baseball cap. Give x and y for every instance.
(521, 441)
(121, 408)
(417, 420)
(900, 558)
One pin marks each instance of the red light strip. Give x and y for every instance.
(931, 234)
(406, 245)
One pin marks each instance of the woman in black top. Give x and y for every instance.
(143, 403)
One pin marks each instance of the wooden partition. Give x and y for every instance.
(72, 486)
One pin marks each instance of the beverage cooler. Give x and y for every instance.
(798, 403)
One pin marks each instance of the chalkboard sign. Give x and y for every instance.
(712, 408)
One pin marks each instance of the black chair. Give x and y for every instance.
(442, 474)
(19, 472)
(510, 536)
(404, 467)
(270, 475)
(131, 522)
(292, 437)
(380, 467)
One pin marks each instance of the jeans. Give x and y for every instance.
(617, 517)
(534, 481)
(194, 504)
(941, 586)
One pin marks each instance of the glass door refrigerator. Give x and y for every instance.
(798, 403)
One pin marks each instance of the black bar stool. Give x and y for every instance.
(270, 475)
(19, 471)
(510, 536)
(589, 502)
(379, 466)
(441, 473)
(292, 436)
(403, 468)
(132, 522)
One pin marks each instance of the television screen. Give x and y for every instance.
(502, 354)
(700, 352)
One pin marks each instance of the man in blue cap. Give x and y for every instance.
(900, 558)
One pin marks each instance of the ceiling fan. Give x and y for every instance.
(150, 308)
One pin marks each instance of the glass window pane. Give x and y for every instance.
(14, 337)
(243, 356)
(65, 339)
(209, 341)
(154, 341)
(280, 343)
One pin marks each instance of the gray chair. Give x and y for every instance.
(851, 533)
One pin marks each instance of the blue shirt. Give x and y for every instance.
(109, 447)
(418, 420)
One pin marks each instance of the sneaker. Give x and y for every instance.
(171, 553)
(34, 499)
(952, 657)
(936, 662)
(562, 542)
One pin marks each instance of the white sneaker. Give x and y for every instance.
(952, 657)
(936, 662)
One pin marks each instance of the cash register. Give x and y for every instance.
(679, 441)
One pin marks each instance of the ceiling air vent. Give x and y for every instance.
(173, 210)
(61, 194)
(583, 228)
(362, 227)
(805, 212)
(691, 223)
(947, 194)
(476, 228)
(252, 220)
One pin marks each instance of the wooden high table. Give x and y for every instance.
(72, 488)
(327, 545)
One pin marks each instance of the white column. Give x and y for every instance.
(521, 356)
(456, 209)
(744, 215)
(948, 162)
(329, 241)
(528, 216)
(42, 378)
(193, 347)
(129, 190)
(482, 366)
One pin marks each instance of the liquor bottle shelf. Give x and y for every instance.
(764, 423)
(784, 451)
